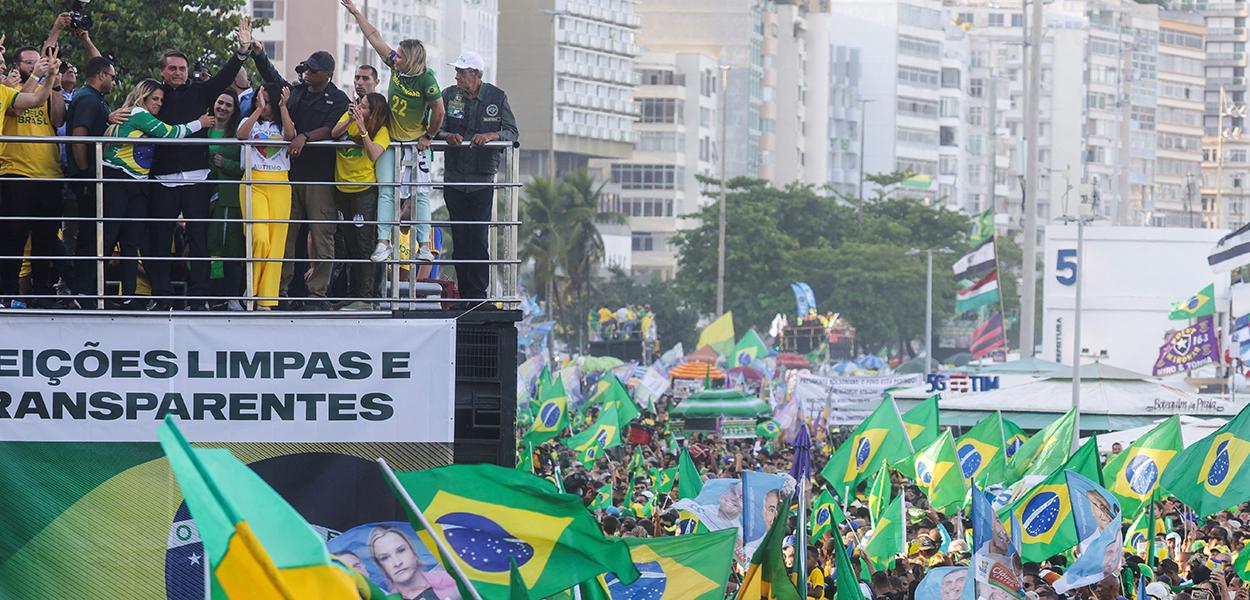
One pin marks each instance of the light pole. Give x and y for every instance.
(720, 236)
(1032, 176)
(928, 305)
(863, 121)
(1076, 322)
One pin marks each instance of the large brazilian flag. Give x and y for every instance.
(694, 567)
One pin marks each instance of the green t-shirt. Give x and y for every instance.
(410, 99)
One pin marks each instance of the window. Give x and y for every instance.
(919, 16)
(658, 110)
(917, 107)
(1017, 19)
(650, 141)
(647, 177)
(918, 167)
(996, 19)
(705, 117)
(273, 49)
(950, 107)
(911, 46)
(1180, 64)
(918, 77)
(976, 115)
(660, 77)
(920, 137)
(267, 9)
(950, 78)
(1170, 37)
(647, 207)
(642, 241)
(948, 165)
(946, 136)
(1104, 47)
(976, 87)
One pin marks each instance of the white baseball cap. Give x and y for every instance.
(469, 60)
(1158, 591)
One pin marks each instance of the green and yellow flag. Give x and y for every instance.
(889, 535)
(847, 584)
(603, 498)
(552, 415)
(1013, 437)
(604, 434)
(879, 493)
(609, 393)
(516, 583)
(662, 480)
(1133, 475)
(980, 452)
(694, 567)
(1209, 476)
(1241, 564)
(939, 476)
(982, 228)
(689, 482)
(768, 429)
(257, 546)
(719, 334)
(636, 461)
(1201, 304)
(880, 437)
(825, 514)
(748, 350)
(766, 577)
(921, 422)
(525, 458)
(487, 516)
(1045, 512)
(1044, 452)
(1137, 539)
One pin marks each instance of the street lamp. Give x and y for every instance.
(1076, 321)
(928, 306)
(720, 236)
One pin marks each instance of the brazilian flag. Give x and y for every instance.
(603, 498)
(879, 493)
(749, 349)
(662, 479)
(636, 461)
(552, 415)
(525, 462)
(938, 475)
(1201, 304)
(488, 516)
(980, 451)
(257, 546)
(603, 434)
(1133, 475)
(1209, 475)
(1044, 452)
(889, 535)
(880, 437)
(1045, 512)
(1013, 437)
(610, 394)
(921, 422)
(688, 523)
(825, 514)
(690, 482)
(768, 429)
(694, 567)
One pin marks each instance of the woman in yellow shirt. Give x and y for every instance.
(366, 123)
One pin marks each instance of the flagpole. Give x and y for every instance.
(801, 539)
(403, 493)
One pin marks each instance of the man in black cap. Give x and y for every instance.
(185, 100)
(315, 107)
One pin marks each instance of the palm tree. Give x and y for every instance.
(541, 219)
(583, 243)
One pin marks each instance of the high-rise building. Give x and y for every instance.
(445, 28)
(1178, 163)
(568, 68)
(1225, 189)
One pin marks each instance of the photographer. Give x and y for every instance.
(185, 101)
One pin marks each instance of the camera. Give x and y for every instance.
(78, 18)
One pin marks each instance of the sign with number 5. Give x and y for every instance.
(1065, 266)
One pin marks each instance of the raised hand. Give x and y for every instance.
(350, 6)
(54, 61)
(285, 96)
(243, 34)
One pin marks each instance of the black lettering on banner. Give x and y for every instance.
(241, 367)
(283, 406)
(54, 374)
(377, 407)
(8, 363)
(286, 361)
(310, 404)
(239, 403)
(5, 400)
(126, 364)
(208, 403)
(106, 406)
(137, 402)
(32, 402)
(355, 365)
(75, 405)
(319, 364)
(395, 365)
(222, 360)
(162, 364)
(99, 358)
(172, 403)
(193, 366)
(342, 407)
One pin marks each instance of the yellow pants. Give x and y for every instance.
(268, 239)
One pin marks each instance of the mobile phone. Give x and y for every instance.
(1201, 594)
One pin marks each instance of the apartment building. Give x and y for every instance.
(1181, 77)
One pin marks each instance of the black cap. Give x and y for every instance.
(319, 61)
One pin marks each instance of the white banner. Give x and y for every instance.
(848, 399)
(100, 379)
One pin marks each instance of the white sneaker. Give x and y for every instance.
(234, 306)
(381, 252)
(425, 255)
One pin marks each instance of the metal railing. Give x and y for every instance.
(503, 249)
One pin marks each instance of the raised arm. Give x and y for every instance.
(371, 33)
(372, 149)
(85, 37)
(268, 73)
(219, 82)
(288, 125)
(145, 122)
(25, 100)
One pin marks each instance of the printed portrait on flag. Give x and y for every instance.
(762, 495)
(392, 557)
(1096, 513)
(943, 583)
(718, 506)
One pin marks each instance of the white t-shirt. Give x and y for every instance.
(268, 158)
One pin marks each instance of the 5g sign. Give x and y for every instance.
(1065, 266)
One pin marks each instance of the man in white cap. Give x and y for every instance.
(477, 112)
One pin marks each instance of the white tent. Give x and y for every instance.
(1192, 430)
(1112, 399)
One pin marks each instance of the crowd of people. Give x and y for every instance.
(628, 322)
(1194, 558)
(175, 213)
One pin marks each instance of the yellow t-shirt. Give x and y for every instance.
(30, 160)
(7, 94)
(352, 164)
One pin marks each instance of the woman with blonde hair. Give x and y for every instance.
(129, 162)
(396, 554)
(416, 115)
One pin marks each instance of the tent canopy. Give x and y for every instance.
(594, 364)
(1026, 366)
(721, 403)
(1192, 430)
(705, 354)
(696, 370)
(746, 373)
